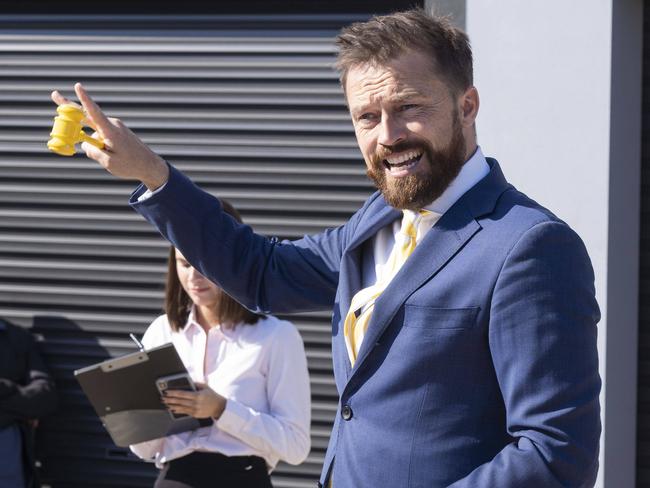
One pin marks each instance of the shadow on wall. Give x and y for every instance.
(72, 445)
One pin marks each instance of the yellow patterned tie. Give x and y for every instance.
(363, 303)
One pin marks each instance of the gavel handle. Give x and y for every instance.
(91, 140)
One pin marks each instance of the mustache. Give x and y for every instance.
(383, 152)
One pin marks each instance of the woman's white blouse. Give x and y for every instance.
(261, 369)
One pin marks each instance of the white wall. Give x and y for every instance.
(544, 72)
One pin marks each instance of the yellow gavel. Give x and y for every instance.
(68, 131)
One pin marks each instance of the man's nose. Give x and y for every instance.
(391, 131)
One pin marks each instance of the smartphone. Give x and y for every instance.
(181, 381)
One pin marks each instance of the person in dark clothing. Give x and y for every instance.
(27, 393)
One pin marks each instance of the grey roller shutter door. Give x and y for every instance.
(248, 107)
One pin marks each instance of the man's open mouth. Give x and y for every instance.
(403, 161)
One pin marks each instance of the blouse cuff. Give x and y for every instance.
(234, 417)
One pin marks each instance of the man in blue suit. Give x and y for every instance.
(464, 318)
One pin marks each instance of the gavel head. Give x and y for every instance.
(66, 130)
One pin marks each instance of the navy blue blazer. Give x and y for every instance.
(479, 367)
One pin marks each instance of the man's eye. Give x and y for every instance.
(367, 116)
(407, 106)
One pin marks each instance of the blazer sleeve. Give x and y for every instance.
(542, 338)
(263, 274)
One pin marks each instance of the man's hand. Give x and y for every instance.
(200, 404)
(124, 154)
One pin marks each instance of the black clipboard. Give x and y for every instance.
(124, 395)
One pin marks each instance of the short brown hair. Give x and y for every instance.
(383, 38)
(178, 303)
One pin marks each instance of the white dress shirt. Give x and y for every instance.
(473, 171)
(261, 370)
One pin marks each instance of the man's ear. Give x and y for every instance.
(469, 103)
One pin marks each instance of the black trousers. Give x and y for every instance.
(214, 470)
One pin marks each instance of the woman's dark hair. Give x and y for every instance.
(178, 303)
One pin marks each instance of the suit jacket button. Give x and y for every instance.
(346, 412)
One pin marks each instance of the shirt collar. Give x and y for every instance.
(192, 324)
(473, 171)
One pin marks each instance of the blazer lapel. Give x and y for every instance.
(446, 239)
(379, 215)
(439, 246)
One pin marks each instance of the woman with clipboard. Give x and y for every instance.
(252, 380)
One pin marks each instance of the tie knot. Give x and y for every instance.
(409, 223)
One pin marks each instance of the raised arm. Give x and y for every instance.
(263, 274)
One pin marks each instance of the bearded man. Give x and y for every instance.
(464, 318)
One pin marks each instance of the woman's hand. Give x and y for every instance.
(124, 154)
(200, 404)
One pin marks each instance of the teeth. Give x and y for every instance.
(401, 158)
(397, 169)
